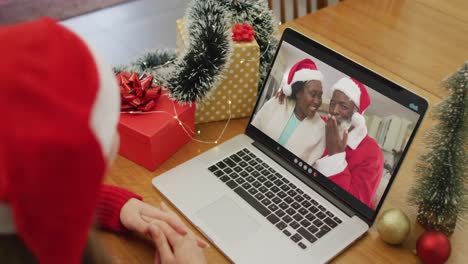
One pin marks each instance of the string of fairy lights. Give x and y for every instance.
(186, 128)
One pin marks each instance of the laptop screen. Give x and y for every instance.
(341, 124)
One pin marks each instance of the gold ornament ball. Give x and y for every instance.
(394, 226)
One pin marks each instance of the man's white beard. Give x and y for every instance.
(344, 125)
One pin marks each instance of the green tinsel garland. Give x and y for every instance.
(191, 76)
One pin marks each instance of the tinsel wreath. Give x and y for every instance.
(191, 76)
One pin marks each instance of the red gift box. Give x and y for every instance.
(151, 138)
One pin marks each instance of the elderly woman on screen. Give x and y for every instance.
(295, 124)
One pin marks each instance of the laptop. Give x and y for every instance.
(260, 201)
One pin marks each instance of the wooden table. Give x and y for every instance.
(415, 43)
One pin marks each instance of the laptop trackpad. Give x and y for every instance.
(227, 220)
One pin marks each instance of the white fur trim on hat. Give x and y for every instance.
(350, 88)
(301, 75)
(106, 109)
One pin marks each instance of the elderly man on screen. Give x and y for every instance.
(352, 159)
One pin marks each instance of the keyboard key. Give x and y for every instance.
(270, 195)
(330, 214)
(325, 228)
(271, 170)
(272, 178)
(233, 175)
(287, 219)
(312, 229)
(321, 233)
(294, 225)
(225, 178)
(300, 191)
(286, 232)
(283, 206)
(295, 205)
(259, 196)
(249, 169)
(212, 168)
(298, 217)
(308, 236)
(237, 169)
(306, 204)
(320, 215)
(285, 180)
(236, 158)
(296, 238)
(252, 201)
(302, 245)
(255, 174)
(313, 209)
(281, 194)
(310, 217)
(330, 222)
(242, 164)
(280, 213)
(221, 165)
(337, 220)
(229, 162)
(240, 181)
(317, 223)
(227, 170)
(263, 189)
(219, 173)
(292, 193)
(292, 185)
(244, 174)
(256, 184)
(274, 189)
(278, 175)
(288, 200)
(247, 151)
(250, 179)
(305, 223)
(303, 211)
(281, 225)
(240, 153)
(253, 163)
(273, 207)
(252, 190)
(313, 202)
(291, 211)
(279, 182)
(259, 167)
(276, 200)
(246, 185)
(285, 188)
(306, 196)
(261, 179)
(265, 172)
(266, 202)
(273, 218)
(231, 184)
(322, 208)
(299, 198)
(268, 184)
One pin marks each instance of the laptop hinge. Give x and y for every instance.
(305, 179)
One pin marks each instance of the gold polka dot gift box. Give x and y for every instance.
(236, 93)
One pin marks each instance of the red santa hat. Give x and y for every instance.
(60, 105)
(304, 70)
(357, 93)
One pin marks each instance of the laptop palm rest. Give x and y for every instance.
(228, 221)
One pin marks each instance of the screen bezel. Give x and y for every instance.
(380, 84)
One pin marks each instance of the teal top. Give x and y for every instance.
(288, 130)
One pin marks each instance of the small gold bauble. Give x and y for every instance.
(394, 226)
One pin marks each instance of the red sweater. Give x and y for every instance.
(110, 201)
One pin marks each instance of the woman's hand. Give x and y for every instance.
(137, 216)
(174, 248)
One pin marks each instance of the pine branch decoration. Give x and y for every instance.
(441, 193)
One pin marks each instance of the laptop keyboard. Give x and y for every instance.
(296, 214)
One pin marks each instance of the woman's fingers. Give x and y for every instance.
(162, 244)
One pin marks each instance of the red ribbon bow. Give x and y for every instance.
(243, 32)
(137, 93)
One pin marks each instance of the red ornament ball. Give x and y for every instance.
(433, 247)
